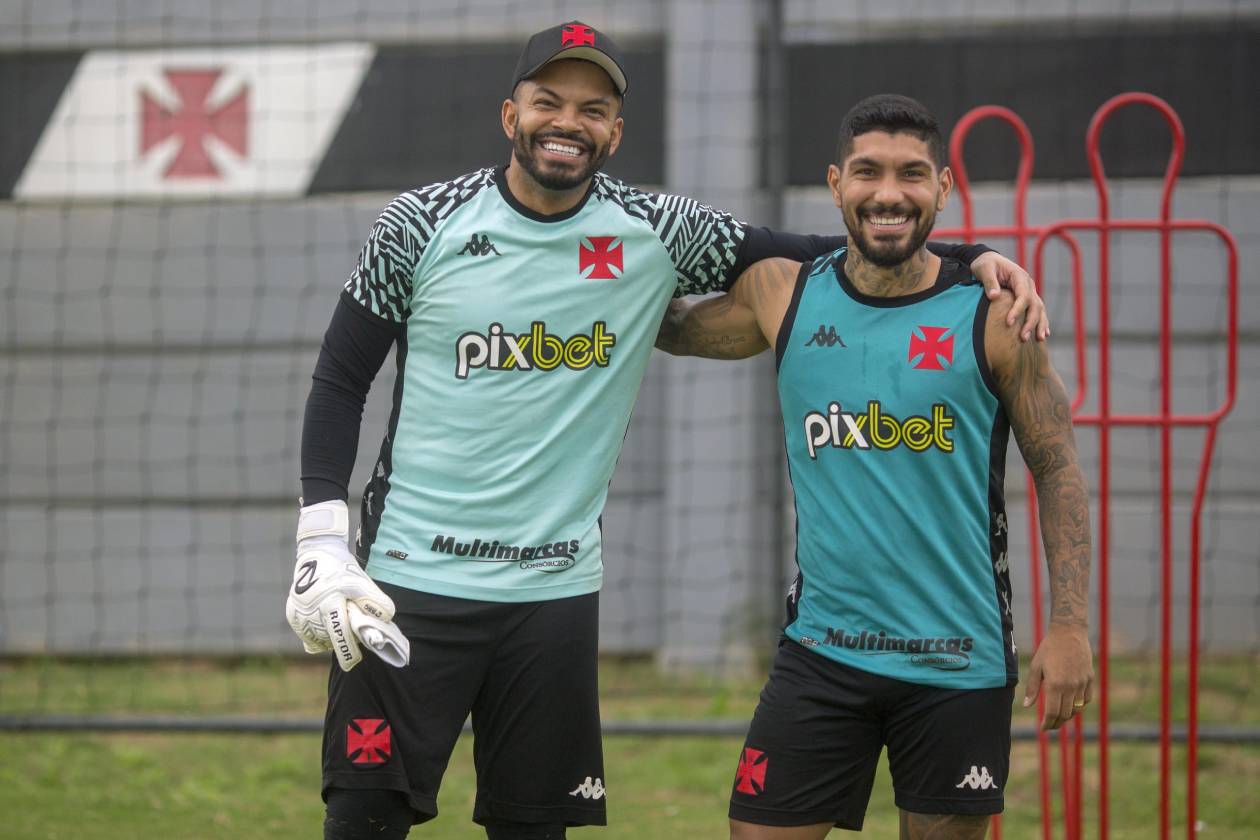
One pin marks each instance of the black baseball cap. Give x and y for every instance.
(571, 40)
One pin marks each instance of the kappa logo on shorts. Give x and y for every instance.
(750, 778)
(590, 789)
(368, 741)
(978, 779)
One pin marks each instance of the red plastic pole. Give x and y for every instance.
(1020, 232)
(1196, 524)
(1104, 479)
(1104, 420)
(1165, 402)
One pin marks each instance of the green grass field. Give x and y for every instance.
(102, 786)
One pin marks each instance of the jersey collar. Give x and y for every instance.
(500, 180)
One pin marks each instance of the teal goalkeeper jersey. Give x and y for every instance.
(896, 445)
(526, 339)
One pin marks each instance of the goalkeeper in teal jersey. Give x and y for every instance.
(523, 302)
(899, 380)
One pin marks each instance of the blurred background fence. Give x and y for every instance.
(184, 187)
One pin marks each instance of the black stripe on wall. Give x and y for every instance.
(31, 84)
(1055, 81)
(426, 114)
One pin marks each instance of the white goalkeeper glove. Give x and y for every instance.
(326, 579)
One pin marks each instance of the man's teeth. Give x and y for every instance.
(890, 221)
(562, 149)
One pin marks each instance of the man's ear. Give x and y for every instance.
(833, 181)
(509, 117)
(947, 186)
(615, 140)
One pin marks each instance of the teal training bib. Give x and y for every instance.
(896, 446)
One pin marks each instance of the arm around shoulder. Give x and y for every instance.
(734, 325)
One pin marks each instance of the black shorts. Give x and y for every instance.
(527, 674)
(815, 740)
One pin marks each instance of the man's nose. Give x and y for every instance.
(888, 191)
(566, 118)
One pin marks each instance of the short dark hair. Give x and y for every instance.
(892, 113)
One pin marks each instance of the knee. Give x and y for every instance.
(367, 815)
(501, 830)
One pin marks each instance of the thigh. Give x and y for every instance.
(394, 728)
(536, 719)
(943, 826)
(949, 750)
(812, 747)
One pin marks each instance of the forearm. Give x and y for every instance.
(330, 440)
(672, 335)
(964, 253)
(354, 348)
(1063, 507)
(712, 329)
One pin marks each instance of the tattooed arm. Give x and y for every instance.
(734, 325)
(1040, 414)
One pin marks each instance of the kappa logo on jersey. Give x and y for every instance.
(929, 346)
(479, 246)
(840, 429)
(195, 122)
(750, 778)
(978, 779)
(589, 789)
(577, 35)
(368, 741)
(536, 349)
(825, 337)
(601, 258)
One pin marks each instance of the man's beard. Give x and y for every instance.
(890, 254)
(555, 178)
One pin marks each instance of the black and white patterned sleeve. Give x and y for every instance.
(381, 281)
(702, 242)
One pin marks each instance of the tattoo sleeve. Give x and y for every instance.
(732, 325)
(711, 329)
(1040, 414)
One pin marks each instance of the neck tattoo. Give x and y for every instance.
(876, 281)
